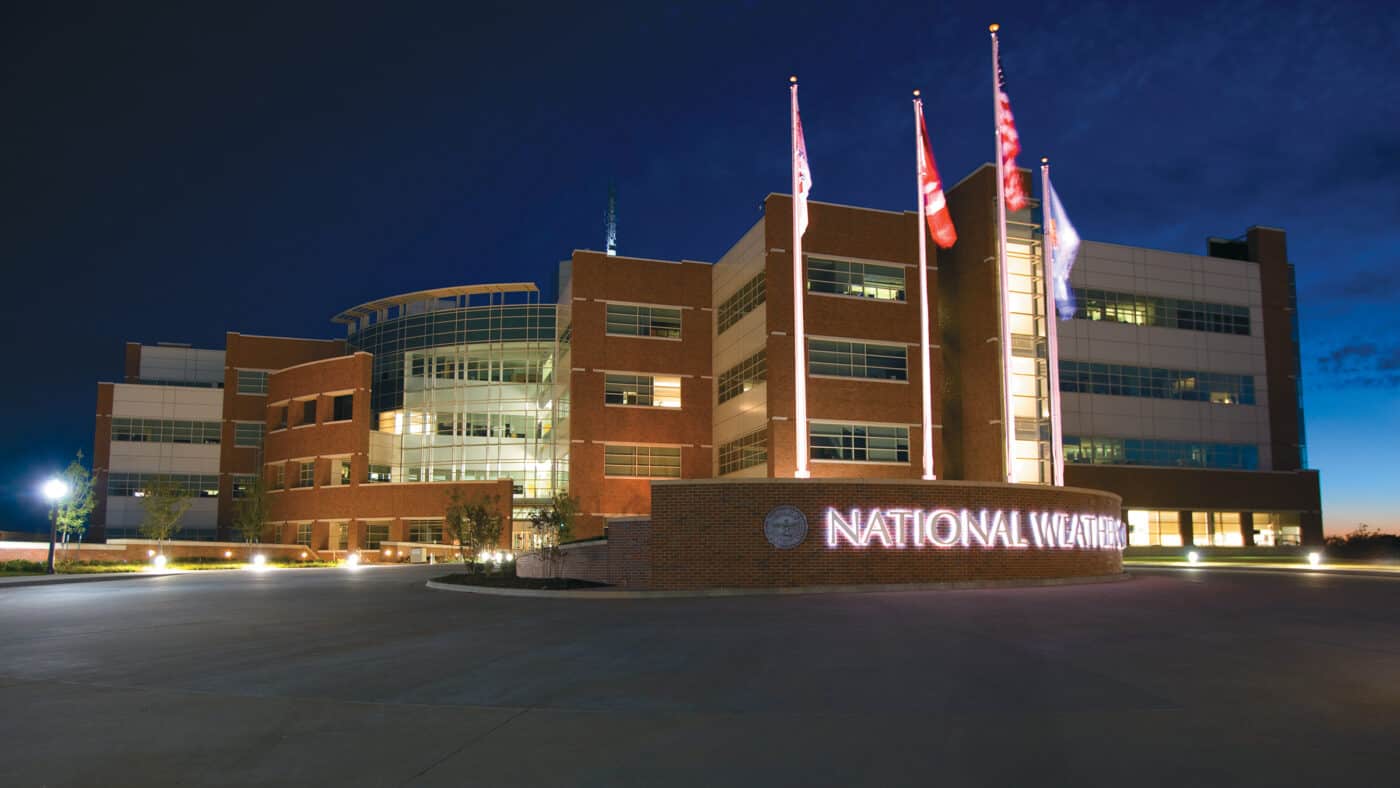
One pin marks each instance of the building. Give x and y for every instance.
(1179, 386)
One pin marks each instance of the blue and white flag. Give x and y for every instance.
(1063, 245)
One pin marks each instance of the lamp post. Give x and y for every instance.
(54, 490)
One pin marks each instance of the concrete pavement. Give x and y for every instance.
(368, 678)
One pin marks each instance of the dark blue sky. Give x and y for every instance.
(171, 173)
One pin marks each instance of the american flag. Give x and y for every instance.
(1012, 186)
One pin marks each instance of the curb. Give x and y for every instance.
(604, 593)
(1381, 574)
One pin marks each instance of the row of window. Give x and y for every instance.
(1180, 384)
(1142, 310)
(1157, 528)
(248, 434)
(164, 431)
(857, 360)
(658, 391)
(743, 376)
(862, 280)
(858, 442)
(190, 485)
(656, 462)
(744, 301)
(454, 367)
(252, 381)
(745, 451)
(632, 320)
(342, 408)
(1164, 453)
(198, 384)
(485, 425)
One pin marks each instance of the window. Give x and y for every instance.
(279, 476)
(378, 473)
(376, 534)
(304, 534)
(308, 412)
(252, 381)
(242, 484)
(644, 321)
(1216, 529)
(857, 360)
(306, 474)
(1127, 381)
(1148, 528)
(191, 485)
(656, 391)
(744, 452)
(248, 434)
(1164, 453)
(279, 415)
(654, 462)
(745, 300)
(340, 471)
(1277, 529)
(425, 531)
(1144, 310)
(743, 376)
(862, 280)
(165, 431)
(343, 407)
(859, 443)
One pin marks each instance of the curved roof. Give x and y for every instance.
(354, 313)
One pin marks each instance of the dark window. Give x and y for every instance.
(308, 412)
(343, 407)
(281, 418)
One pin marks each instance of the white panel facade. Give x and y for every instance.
(183, 403)
(1147, 272)
(125, 512)
(748, 411)
(137, 457)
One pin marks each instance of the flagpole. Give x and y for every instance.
(924, 357)
(1052, 331)
(1008, 418)
(799, 329)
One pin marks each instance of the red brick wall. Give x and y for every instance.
(709, 534)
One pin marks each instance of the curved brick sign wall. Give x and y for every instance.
(781, 532)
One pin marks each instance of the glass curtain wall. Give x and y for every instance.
(465, 385)
(1029, 348)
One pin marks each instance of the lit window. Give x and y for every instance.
(863, 280)
(655, 462)
(1141, 310)
(657, 391)
(304, 534)
(857, 360)
(859, 443)
(1121, 380)
(376, 534)
(644, 321)
(1164, 453)
(425, 531)
(744, 301)
(379, 474)
(744, 452)
(165, 431)
(743, 376)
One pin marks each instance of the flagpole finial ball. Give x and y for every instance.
(793, 79)
(916, 94)
(1044, 159)
(994, 27)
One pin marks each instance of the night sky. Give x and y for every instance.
(171, 173)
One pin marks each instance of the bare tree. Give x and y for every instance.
(71, 512)
(250, 514)
(165, 502)
(551, 528)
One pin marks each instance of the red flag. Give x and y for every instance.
(940, 222)
(1012, 186)
(802, 172)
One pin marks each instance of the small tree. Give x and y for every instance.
(551, 527)
(250, 514)
(71, 513)
(475, 526)
(165, 502)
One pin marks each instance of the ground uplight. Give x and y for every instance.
(1194, 557)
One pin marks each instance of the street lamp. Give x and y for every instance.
(54, 490)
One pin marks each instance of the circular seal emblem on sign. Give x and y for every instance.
(785, 527)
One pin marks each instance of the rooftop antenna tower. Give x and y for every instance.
(610, 221)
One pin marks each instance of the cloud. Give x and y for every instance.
(1361, 364)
